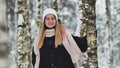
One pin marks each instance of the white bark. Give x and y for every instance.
(108, 48)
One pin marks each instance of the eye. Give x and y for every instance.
(52, 18)
(46, 18)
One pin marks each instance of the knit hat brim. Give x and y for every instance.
(49, 11)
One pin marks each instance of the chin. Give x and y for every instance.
(50, 27)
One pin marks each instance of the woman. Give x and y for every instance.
(55, 47)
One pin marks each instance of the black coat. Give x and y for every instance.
(51, 57)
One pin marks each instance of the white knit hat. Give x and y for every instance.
(49, 11)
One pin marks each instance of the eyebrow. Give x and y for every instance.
(51, 16)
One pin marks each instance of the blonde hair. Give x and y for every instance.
(59, 35)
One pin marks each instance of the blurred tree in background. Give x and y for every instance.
(89, 28)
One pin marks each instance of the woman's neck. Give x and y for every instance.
(49, 28)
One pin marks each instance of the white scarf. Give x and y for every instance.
(69, 44)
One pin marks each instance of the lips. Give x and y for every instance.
(51, 23)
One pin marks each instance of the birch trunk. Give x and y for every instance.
(109, 32)
(38, 10)
(4, 40)
(114, 36)
(55, 6)
(23, 34)
(89, 28)
(11, 20)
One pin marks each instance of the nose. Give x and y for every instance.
(50, 20)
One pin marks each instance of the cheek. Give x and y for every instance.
(55, 22)
(46, 23)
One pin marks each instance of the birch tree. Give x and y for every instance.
(55, 6)
(89, 28)
(11, 19)
(38, 10)
(114, 36)
(23, 34)
(4, 40)
(109, 32)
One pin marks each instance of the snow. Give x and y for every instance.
(108, 56)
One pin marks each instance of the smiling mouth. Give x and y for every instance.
(50, 24)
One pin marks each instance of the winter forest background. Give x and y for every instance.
(20, 21)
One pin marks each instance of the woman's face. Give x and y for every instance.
(50, 21)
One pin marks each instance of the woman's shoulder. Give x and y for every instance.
(77, 37)
(81, 42)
